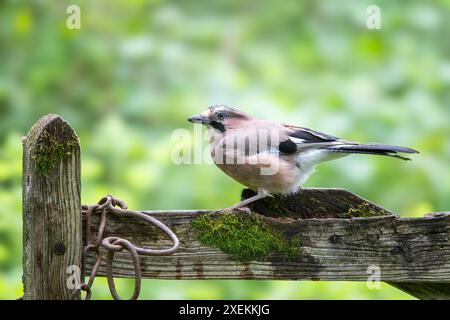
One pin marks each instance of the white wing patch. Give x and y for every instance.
(297, 140)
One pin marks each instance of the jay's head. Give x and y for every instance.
(221, 118)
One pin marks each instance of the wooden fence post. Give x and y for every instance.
(52, 234)
(327, 234)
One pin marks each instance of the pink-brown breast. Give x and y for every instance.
(251, 173)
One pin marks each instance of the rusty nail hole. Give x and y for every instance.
(334, 239)
(59, 249)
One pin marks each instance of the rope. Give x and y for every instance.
(105, 206)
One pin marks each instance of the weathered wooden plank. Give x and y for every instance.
(425, 291)
(315, 203)
(51, 208)
(405, 250)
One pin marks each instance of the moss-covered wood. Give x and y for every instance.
(51, 209)
(316, 203)
(53, 146)
(333, 246)
(245, 237)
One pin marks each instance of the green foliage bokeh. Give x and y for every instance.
(137, 69)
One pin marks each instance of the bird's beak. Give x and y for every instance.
(198, 119)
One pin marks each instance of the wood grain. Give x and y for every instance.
(51, 212)
(315, 203)
(406, 250)
(425, 291)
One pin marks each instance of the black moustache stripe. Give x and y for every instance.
(217, 125)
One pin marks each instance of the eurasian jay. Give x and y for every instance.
(272, 158)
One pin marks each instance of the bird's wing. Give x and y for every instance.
(308, 135)
(302, 139)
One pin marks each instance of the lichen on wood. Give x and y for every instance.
(244, 237)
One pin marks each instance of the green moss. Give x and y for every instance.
(363, 210)
(314, 200)
(244, 237)
(50, 150)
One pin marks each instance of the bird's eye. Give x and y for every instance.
(220, 115)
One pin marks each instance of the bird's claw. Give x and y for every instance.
(244, 210)
(233, 209)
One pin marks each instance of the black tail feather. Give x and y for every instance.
(375, 149)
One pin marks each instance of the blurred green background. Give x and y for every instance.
(137, 69)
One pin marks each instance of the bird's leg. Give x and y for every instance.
(242, 205)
